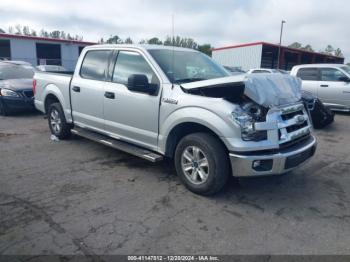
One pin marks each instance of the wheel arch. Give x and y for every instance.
(183, 129)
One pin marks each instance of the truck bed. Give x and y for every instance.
(55, 83)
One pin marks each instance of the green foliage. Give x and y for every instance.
(338, 52)
(25, 30)
(128, 41)
(329, 50)
(206, 49)
(296, 45)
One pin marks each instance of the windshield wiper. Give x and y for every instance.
(188, 80)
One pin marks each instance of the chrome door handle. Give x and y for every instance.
(324, 85)
(76, 89)
(346, 92)
(109, 95)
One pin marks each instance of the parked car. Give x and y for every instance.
(266, 70)
(16, 93)
(320, 115)
(157, 101)
(51, 68)
(329, 82)
(234, 70)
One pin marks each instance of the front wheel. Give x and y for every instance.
(202, 163)
(57, 121)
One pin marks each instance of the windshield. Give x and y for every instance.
(186, 66)
(346, 69)
(16, 72)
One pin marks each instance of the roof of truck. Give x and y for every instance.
(140, 46)
(319, 65)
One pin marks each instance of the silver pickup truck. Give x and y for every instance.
(156, 102)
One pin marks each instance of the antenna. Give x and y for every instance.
(173, 54)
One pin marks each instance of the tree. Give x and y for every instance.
(128, 40)
(114, 40)
(2, 31)
(205, 48)
(18, 29)
(329, 50)
(307, 48)
(26, 30)
(33, 33)
(296, 45)
(10, 30)
(348, 64)
(338, 52)
(154, 41)
(55, 34)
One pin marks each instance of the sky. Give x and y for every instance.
(218, 22)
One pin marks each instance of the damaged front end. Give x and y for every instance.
(257, 99)
(273, 120)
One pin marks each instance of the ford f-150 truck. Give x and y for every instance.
(156, 102)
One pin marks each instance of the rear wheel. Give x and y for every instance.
(57, 121)
(202, 163)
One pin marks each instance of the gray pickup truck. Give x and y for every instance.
(156, 102)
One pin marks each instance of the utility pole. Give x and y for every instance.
(279, 47)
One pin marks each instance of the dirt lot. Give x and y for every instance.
(79, 197)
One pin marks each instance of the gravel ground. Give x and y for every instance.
(79, 197)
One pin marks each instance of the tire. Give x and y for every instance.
(57, 121)
(3, 109)
(203, 177)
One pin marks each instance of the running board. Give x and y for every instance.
(117, 144)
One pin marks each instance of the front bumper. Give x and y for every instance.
(272, 162)
(18, 103)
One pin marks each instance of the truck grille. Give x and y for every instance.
(294, 127)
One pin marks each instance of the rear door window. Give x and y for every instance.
(331, 74)
(309, 74)
(95, 65)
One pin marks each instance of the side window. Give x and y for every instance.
(331, 74)
(95, 64)
(310, 74)
(129, 63)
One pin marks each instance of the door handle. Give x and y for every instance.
(346, 92)
(109, 95)
(76, 89)
(324, 85)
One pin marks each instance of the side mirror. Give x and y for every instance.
(344, 79)
(139, 83)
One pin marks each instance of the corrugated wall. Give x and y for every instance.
(246, 57)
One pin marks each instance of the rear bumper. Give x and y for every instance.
(273, 163)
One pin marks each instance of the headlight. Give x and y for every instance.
(246, 123)
(8, 92)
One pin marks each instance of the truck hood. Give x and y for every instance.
(265, 89)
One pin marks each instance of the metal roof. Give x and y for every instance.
(37, 38)
(270, 44)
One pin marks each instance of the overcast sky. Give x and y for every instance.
(219, 22)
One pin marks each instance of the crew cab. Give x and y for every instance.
(156, 102)
(329, 82)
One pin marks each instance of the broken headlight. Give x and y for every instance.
(246, 116)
